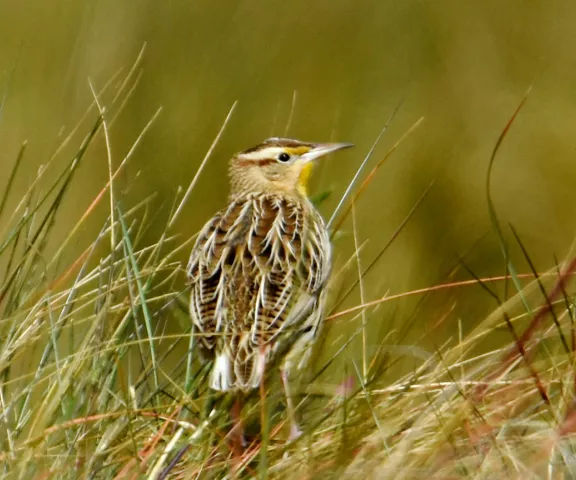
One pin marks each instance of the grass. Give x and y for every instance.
(99, 376)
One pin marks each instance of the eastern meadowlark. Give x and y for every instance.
(259, 268)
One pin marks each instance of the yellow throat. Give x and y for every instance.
(305, 174)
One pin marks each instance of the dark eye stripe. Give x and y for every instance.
(261, 162)
(267, 161)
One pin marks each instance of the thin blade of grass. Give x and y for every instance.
(542, 289)
(492, 209)
(141, 295)
(202, 165)
(371, 175)
(15, 167)
(362, 165)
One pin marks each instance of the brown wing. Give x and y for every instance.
(294, 261)
(209, 267)
(257, 270)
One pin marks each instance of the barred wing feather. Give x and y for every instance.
(257, 271)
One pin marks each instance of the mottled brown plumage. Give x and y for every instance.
(259, 268)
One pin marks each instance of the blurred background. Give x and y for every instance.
(320, 71)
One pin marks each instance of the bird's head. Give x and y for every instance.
(278, 165)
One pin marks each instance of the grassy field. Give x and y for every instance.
(99, 376)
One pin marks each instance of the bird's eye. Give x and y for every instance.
(283, 157)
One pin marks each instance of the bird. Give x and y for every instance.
(259, 269)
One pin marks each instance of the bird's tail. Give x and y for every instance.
(238, 375)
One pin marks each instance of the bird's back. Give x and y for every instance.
(257, 272)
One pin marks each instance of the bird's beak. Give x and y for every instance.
(321, 149)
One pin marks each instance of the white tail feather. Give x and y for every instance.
(258, 370)
(220, 379)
